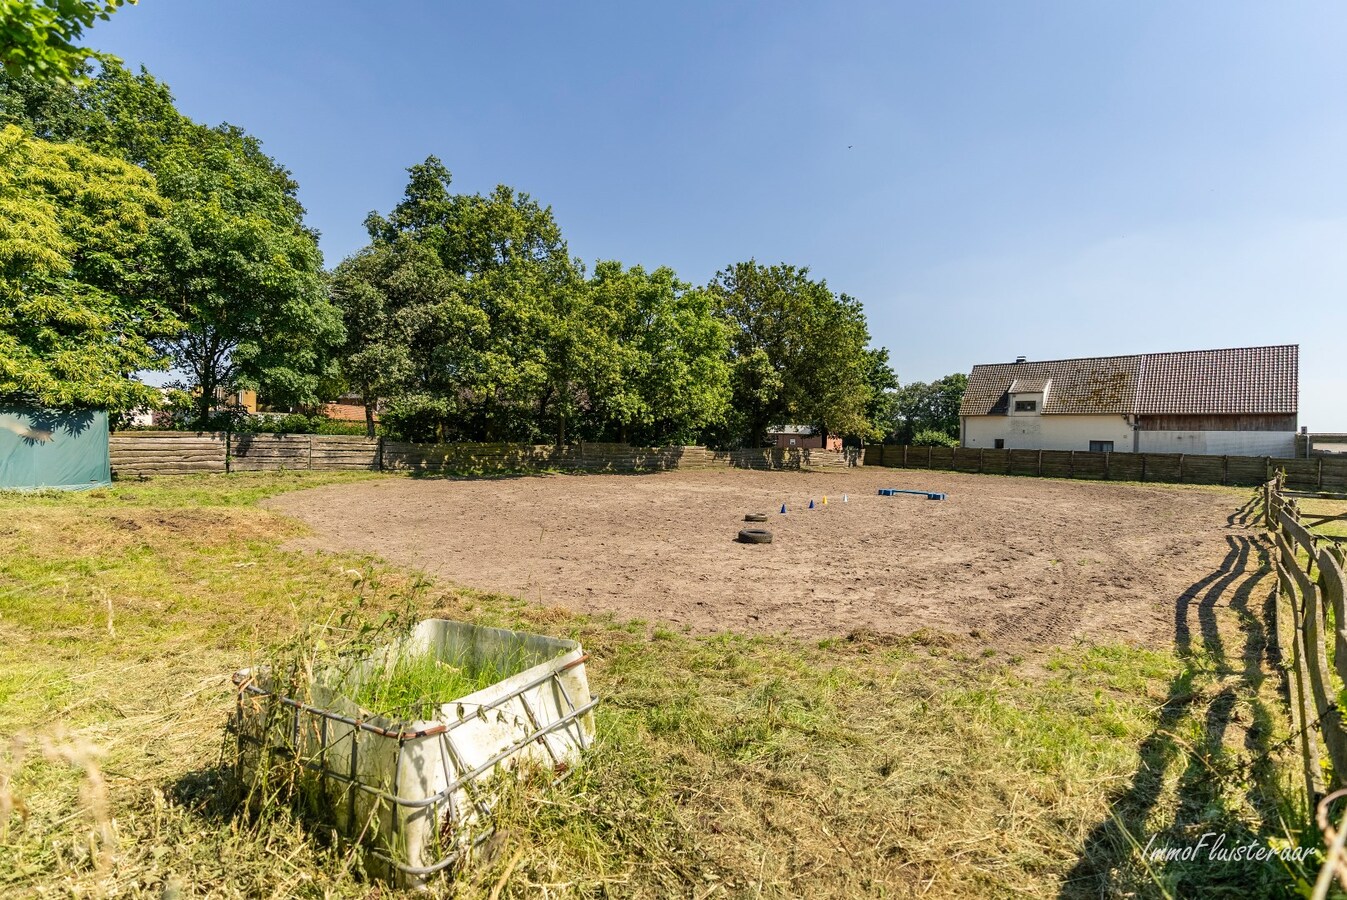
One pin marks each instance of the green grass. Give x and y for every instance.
(726, 766)
(415, 685)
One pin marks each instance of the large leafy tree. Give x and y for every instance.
(412, 337)
(237, 263)
(79, 311)
(38, 37)
(797, 350)
(527, 357)
(665, 377)
(928, 406)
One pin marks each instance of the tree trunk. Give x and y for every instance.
(369, 418)
(204, 401)
(561, 430)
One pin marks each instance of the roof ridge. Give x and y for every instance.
(1028, 362)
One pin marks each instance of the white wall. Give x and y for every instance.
(1219, 443)
(1039, 432)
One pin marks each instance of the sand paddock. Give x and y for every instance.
(1010, 561)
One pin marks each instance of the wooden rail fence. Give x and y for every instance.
(1318, 473)
(1310, 635)
(143, 453)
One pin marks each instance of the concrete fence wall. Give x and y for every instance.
(1318, 473)
(144, 453)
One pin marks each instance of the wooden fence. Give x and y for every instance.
(1311, 638)
(1319, 473)
(141, 453)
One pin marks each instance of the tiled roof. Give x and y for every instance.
(1243, 380)
(1028, 385)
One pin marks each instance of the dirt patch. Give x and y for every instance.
(1019, 561)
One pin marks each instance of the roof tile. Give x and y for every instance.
(1242, 380)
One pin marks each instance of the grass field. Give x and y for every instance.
(726, 765)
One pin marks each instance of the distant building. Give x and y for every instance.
(347, 408)
(1241, 401)
(803, 437)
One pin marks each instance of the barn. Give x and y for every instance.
(1239, 401)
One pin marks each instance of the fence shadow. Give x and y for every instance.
(1192, 733)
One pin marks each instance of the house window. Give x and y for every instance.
(1000, 444)
(1026, 406)
(1101, 446)
(792, 442)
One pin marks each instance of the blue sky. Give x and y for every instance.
(989, 179)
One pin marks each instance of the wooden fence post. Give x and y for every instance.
(1071, 466)
(1331, 588)
(379, 454)
(929, 450)
(1321, 473)
(982, 453)
(1143, 467)
(1107, 457)
(229, 451)
(310, 466)
(1040, 463)
(1299, 675)
(904, 456)
(1225, 469)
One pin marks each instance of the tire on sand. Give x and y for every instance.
(756, 517)
(755, 536)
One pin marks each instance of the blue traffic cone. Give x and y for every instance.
(783, 509)
(811, 504)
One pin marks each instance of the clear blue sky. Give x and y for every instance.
(989, 179)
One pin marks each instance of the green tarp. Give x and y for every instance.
(53, 449)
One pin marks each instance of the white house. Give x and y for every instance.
(1242, 401)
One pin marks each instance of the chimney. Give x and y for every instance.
(1019, 359)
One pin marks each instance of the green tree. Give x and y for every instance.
(934, 406)
(536, 344)
(664, 375)
(879, 411)
(798, 351)
(236, 262)
(250, 292)
(78, 307)
(412, 337)
(38, 38)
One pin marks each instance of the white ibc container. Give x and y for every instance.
(417, 794)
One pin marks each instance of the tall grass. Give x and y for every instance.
(414, 685)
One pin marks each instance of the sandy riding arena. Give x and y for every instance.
(1011, 561)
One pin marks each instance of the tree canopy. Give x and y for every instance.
(797, 351)
(464, 318)
(928, 406)
(468, 317)
(38, 38)
(79, 308)
(234, 261)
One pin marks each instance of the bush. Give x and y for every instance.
(295, 423)
(932, 438)
(336, 426)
